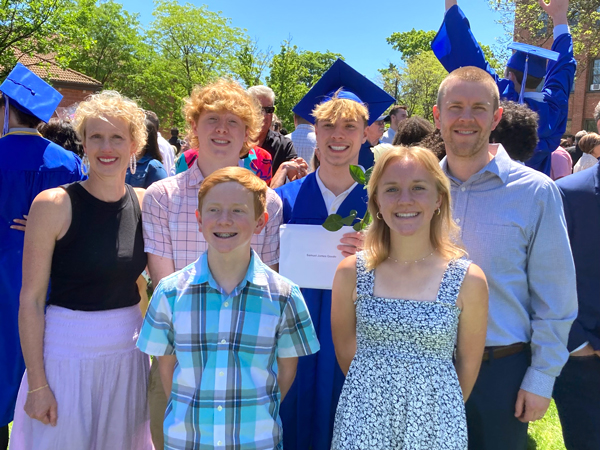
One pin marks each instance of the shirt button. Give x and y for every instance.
(457, 220)
(463, 189)
(223, 341)
(220, 408)
(226, 304)
(221, 374)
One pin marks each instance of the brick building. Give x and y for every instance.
(585, 97)
(74, 86)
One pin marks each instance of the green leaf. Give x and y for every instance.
(358, 226)
(358, 174)
(348, 220)
(334, 222)
(368, 174)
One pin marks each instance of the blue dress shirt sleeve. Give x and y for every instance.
(553, 292)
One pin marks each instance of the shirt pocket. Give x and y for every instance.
(505, 246)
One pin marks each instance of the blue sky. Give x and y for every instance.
(356, 29)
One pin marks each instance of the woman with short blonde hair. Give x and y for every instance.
(86, 382)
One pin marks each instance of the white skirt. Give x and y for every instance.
(99, 379)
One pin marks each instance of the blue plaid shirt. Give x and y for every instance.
(225, 393)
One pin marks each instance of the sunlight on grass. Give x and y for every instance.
(546, 434)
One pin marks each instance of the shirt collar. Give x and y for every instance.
(255, 274)
(305, 126)
(194, 175)
(324, 189)
(498, 166)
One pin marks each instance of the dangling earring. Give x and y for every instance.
(85, 165)
(379, 216)
(438, 211)
(132, 164)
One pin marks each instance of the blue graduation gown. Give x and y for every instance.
(29, 164)
(308, 411)
(366, 158)
(455, 46)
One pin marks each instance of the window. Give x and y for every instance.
(590, 125)
(595, 72)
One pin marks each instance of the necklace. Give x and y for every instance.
(415, 261)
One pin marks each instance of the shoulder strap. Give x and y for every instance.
(452, 281)
(134, 200)
(364, 277)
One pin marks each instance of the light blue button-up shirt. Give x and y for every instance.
(513, 227)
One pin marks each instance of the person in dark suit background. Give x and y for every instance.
(577, 389)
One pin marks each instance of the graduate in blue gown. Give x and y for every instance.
(455, 46)
(29, 164)
(335, 105)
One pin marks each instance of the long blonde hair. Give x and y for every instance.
(444, 233)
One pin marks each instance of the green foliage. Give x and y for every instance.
(115, 44)
(411, 43)
(252, 63)
(36, 26)
(292, 73)
(418, 84)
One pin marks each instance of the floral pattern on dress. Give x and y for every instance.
(402, 391)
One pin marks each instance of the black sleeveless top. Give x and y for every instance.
(95, 265)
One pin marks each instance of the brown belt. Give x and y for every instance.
(503, 351)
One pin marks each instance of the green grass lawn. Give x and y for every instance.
(546, 434)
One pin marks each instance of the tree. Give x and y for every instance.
(390, 80)
(35, 26)
(252, 63)
(414, 42)
(293, 72)
(527, 22)
(199, 44)
(115, 40)
(418, 83)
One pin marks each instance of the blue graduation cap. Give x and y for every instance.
(354, 87)
(29, 93)
(530, 59)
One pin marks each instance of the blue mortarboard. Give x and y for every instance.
(530, 59)
(29, 93)
(354, 87)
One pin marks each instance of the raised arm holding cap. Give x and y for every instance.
(455, 46)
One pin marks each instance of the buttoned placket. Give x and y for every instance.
(223, 349)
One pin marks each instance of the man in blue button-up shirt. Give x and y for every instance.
(513, 227)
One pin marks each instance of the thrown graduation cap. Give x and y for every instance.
(29, 93)
(355, 87)
(530, 59)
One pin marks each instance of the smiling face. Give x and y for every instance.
(108, 145)
(227, 219)
(339, 142)
(466, 116)
(221, 136)
(407, 197)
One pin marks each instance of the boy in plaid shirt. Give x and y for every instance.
(227, 329)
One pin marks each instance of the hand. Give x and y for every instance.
(530, 407)
(22, 223)
(351, 243)
(556, 9)
(588, 350)
(41, 405)
(296, 169)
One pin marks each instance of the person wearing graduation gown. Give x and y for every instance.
(29, 164)
(455, 46)
(308, 411)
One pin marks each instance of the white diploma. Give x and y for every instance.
(309, 254)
